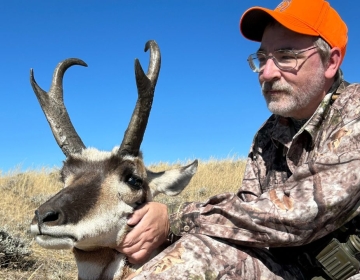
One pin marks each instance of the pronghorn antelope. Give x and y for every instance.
(101, 189)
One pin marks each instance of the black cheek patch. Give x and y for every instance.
(73, 203)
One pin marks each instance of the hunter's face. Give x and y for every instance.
(292, 93)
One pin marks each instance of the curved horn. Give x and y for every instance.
(146, 87)
(52, 104)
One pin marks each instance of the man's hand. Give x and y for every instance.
(151, 228)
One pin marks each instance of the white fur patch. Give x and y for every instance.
(93, 154)
(91, 271)
(56, 243)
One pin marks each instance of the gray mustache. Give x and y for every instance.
(276, 86)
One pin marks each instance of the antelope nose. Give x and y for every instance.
(47, 217)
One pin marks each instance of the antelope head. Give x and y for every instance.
(101, 189)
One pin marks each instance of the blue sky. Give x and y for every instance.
(207, 101)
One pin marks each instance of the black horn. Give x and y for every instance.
(52, 104)
(146, 86)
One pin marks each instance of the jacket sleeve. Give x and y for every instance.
(322, 194)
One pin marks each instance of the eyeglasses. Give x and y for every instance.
(283, 59)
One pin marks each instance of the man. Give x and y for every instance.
(299, 198)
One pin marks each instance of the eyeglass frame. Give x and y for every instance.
(296, 53)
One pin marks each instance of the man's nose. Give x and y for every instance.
(270, 71)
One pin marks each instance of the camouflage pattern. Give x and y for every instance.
(301, 183)
(197, 256)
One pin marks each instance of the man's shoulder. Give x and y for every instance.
(345, 93)
(348, 101)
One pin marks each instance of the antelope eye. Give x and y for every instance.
(134, 182)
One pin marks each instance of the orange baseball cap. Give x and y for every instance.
(308, 17)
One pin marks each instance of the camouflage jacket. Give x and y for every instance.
(300, 182)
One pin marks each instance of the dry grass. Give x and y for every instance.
(23, 192)
(212, 177)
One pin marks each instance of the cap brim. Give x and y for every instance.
(254, 21)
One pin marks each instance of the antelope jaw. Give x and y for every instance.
(50, 241)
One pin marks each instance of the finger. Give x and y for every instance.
(142, 248)
(138, 215)
(128, 251)
(131, 240)
(139, 257)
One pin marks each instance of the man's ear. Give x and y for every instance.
(334, 63)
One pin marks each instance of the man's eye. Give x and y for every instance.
(262, 59)
(285, 56)
(134, 182)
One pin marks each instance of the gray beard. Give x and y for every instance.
(292, 100)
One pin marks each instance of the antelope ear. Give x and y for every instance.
(173, 181)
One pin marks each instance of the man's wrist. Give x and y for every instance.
(174, 233)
